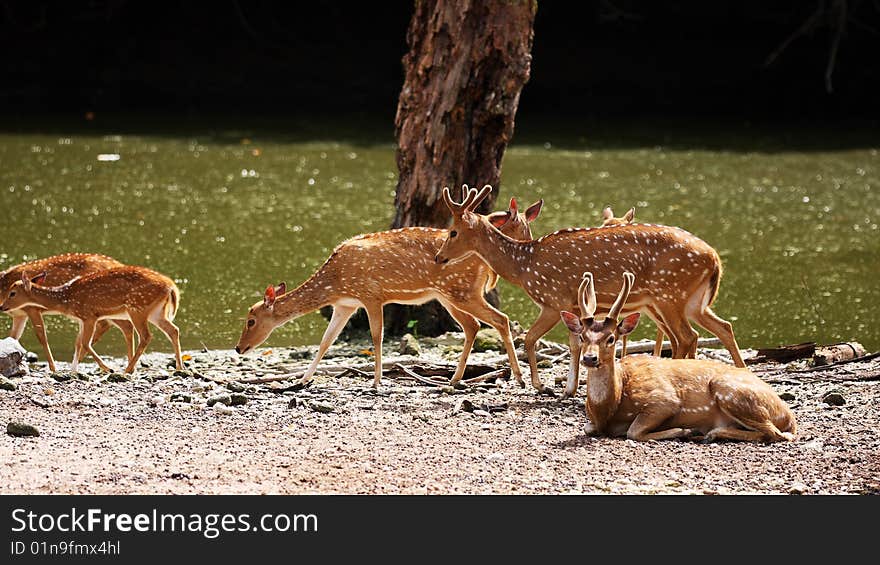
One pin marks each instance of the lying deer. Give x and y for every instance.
(649, 398)
(680, 275)
(135, 294)
(397, 266)
(608, 219)
(59, 270)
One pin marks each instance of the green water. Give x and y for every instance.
(227, 210)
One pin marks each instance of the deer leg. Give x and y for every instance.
(100, 330)
(640, 429)
(36, 318)
(19, 321)
(735, 434)
(144, 337)
(87, 332)
(662, 329)
(710, 321)
(685, 335)
(377, 329)
(545, 322)
(172, 332)
(77, 350)
(484, 311)
(340, 317)
(574, 365)
(128, 332)
(470, 326)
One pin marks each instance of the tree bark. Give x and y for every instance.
(466, 66)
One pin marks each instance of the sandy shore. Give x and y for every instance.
(157, 433)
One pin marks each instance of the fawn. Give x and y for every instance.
(136, 294)
(680, 275)
(371, 270)
(59, 269)
(647, 398)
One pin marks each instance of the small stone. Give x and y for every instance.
(118, 378)
(446, 389)
(156, 401)
(463, 405)
(12, 358)
(225, 399)
(833, 399)
(488, 339)
(481, 413)
(321, 407)
(301, 354)
(787, 396)
(184, 374)
(409, 345)
(181, 397)
(292, 404)
(237, 399)
(31, 357)
(20, 429)
(6, 384)
(544, 364)
(235, 387)
(797, 488)
(62, 377)
(161, 375)
(222, 409)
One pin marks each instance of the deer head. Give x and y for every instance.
(597, 337)
(19, 293)
(608, 218)
(261, 319)
(465, 222)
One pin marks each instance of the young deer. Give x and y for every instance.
(135, 294)
(59, 269)
(608, 219)
(649, 398)
(680, 275)
(369, 271)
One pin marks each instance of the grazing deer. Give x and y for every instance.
(608, 219)
(397, 266)
(136, 294)
(649, 398)
(680, 275)
(59, 270)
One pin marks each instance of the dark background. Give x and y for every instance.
(591, 59)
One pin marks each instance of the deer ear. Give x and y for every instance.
(607, 213)
(533, 210)
(513, 207)
(498, 219)
(572, 321)
(630, 215)
(281, 288)
(628, 324)
(39, 279)
(269, 297)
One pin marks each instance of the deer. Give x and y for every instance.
(138, 295)
(680, 275)
(59, 269)
(651, 398)
(396, 266)
(609, 219)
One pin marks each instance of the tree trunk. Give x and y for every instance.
(466, 66)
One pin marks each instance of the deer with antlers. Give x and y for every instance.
(59, 269)
(134, 294)
(369, 271)
(648, 398)
(679, 275)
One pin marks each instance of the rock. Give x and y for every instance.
(6, 384)
(787, 396)
(20, 429)
(161, 375)
(499, 407)
(156, 401)
(463, 405)
(301, 354)
(62, 377)
(184, 374)
(488, 339)
(181, 397)
(238, 399)
(409, 345)
(292, 404)
(222, 409)
(833, 399)
(545, 364)
(118, 378)
(235, 387)
(321, 407)
(31, 357)
(797, 488)
(223, 398)
(446, 389)
(479, 412)
(12, 358)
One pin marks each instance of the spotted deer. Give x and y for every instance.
(649, 398)
(134, 294)
(396, 266)
(59, 269)
(679, 275)
(609, 219)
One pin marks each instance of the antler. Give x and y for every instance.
(587, 296)
(628, 279)
(471, 201)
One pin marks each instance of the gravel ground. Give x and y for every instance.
(158, 434)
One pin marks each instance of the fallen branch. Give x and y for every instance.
(838, 363)
(418, 377)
